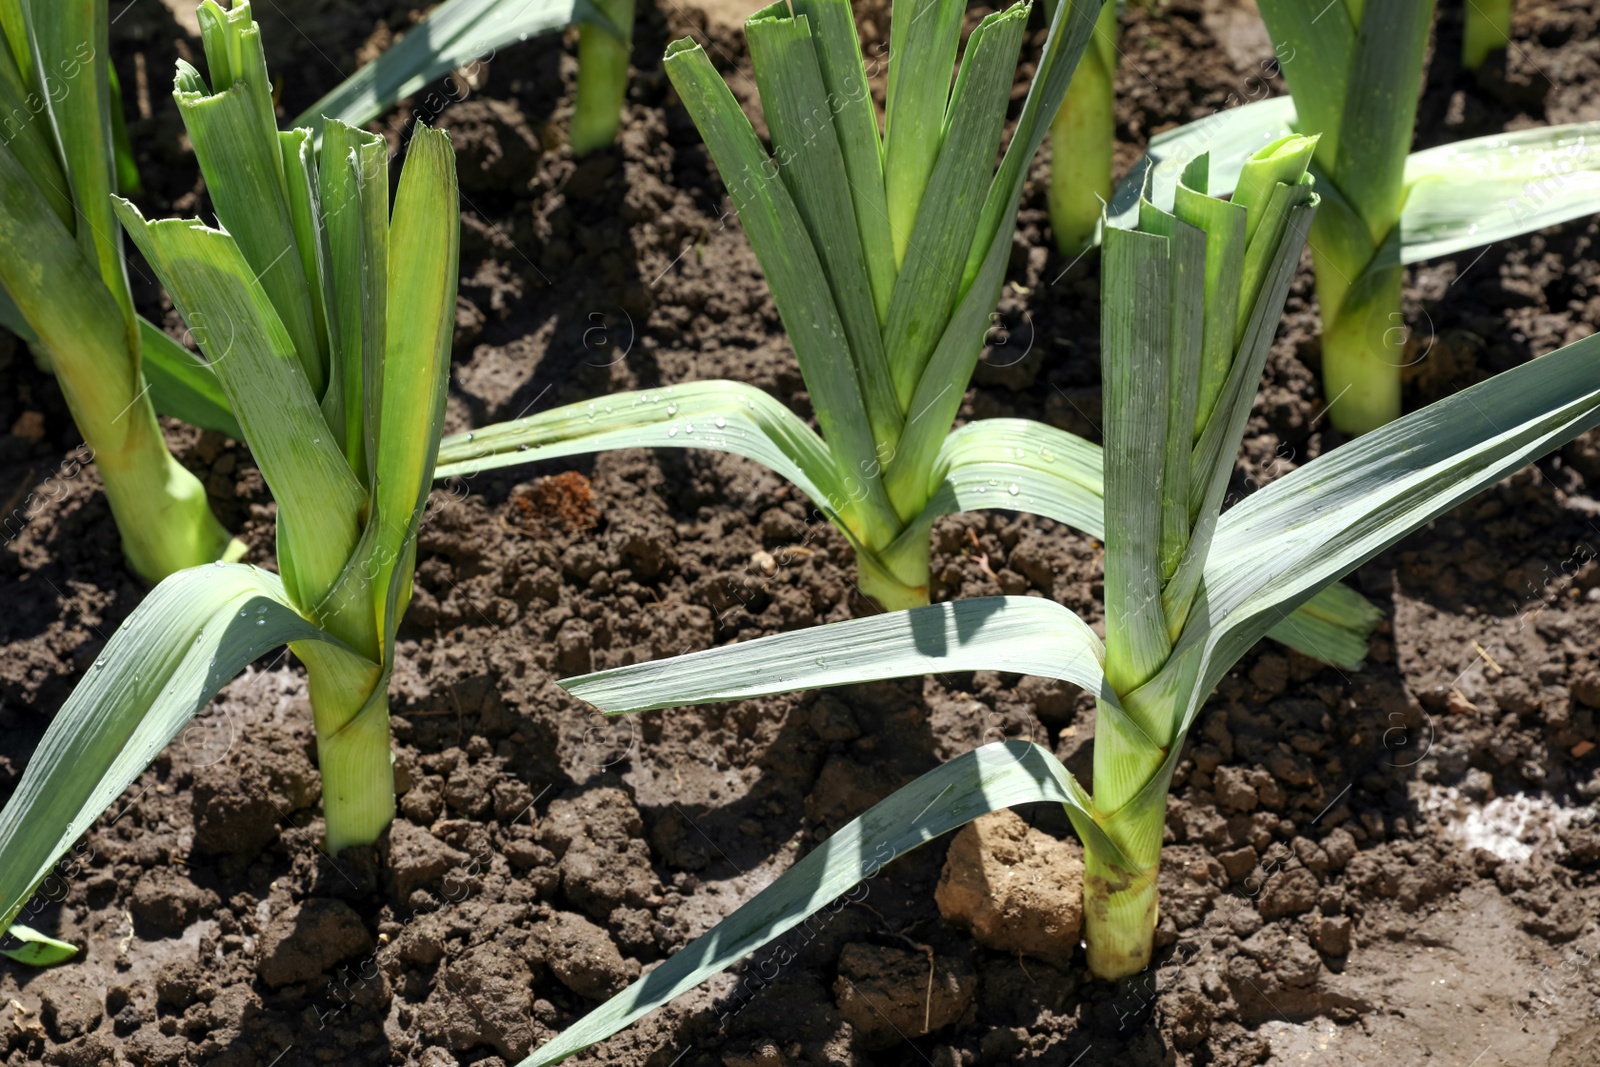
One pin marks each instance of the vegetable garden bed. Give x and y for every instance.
(1321, 898)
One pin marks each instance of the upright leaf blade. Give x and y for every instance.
(70, 39)
(855, 123)
(1136, 342)
(811, 164)
(935, 249)
(424, 240)
(319, 499)
(924, 37)
(354, 179)
(794, 274)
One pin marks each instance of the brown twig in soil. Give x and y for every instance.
(927, 999)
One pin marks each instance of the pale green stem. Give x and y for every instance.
(602, 79)
(160, 508)
(1486, 28)
(1119, 915)
(895, 584)
(1081, 141)
(1363, 348)
(352, 721)
(1120, 902)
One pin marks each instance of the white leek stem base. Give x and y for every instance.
(1119, 916)
(357, 775)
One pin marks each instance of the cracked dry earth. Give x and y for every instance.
(1398, 865)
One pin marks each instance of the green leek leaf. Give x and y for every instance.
(183, 385)
(36, 949)
(193, 633)
(457, 33)
(1001, 775)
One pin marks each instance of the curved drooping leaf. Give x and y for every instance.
(35, 949)
(1025, 635)
(189, 637)
(1485, 189)
(1461, 195)
(1275, 549)
(454, 34)
(721, 416)
(1058, 474)
(996, 776)
(1020, 465)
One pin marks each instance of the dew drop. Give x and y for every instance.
(99, 664)
(688, 428)
(672, 409)
(522, 448)
(672, 431)
(722, 423)
(1015, 489)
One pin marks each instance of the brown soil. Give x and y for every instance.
(1324, 896)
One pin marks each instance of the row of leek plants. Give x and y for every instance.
(326, 315)
(1189, 587)
(885, 257)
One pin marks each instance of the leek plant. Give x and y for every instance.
(602, 78)
(1082, 138)
(1354, 71)
(326, 318)
(1193, 293)
(1485, 28)
(65, 281)
(1356, 74)
(885, 257)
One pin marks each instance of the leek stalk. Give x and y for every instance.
(602, 78)
(1354, 70)
(62, 268)
(1486, 28)
(325, 319)
(1082, 138)
(1237, 572)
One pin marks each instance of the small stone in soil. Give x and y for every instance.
(890, 994)
(584, 958)
(1019, 889)
(415, 859)
(309, 938)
